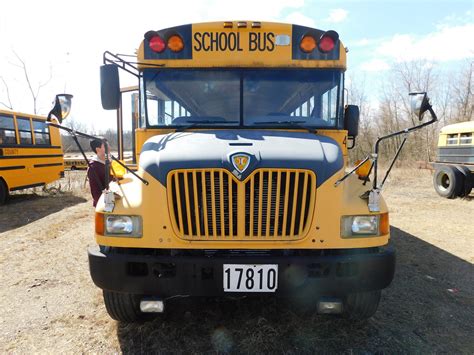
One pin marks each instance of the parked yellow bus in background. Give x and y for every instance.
(241, 135)
(31, 152)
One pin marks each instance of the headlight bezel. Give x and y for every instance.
(364, 226)
(131, 225)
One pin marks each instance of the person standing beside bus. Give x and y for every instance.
(96, 171)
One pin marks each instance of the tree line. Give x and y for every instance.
(450, 93)
(69, 145)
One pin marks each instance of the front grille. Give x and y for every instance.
(271, 204)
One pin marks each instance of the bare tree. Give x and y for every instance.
(395, 108)
(357, 96)
(463, 94)
(9, 105)
(34, 92)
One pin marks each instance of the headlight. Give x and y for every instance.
(123, 225)
(364, 226)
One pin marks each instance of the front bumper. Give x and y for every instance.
(166, 276)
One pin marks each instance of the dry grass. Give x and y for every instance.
(48, 302)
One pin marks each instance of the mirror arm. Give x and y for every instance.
(113, 59)
(351, 172)
(129, 170)
(107, 164)
(393, 161)
(72, 131)
(74, 134)
(434, 118)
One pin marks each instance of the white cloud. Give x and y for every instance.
(375, 65)
(446, 44)
(337, 15)
(300, 19)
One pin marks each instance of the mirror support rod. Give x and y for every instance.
(434, 118)
(84, 135)
(110, 58)
(131, 171)
(393, 161)
(96, 178)
(351, 172)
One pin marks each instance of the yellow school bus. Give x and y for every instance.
(30, 152)
(241, 134)
(454, 166)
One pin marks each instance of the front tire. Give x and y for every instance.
(448, 181)
(361, 305)
(123, 307)
(3, 192)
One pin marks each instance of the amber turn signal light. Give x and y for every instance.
(308, 44)
(384, 224)
(99, 223)
(175, 43)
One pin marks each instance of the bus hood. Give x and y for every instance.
(223, 148)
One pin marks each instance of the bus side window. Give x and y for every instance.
(466, 138)
(329, 101)
(169, 111)
(41, 133)
(7, 130)
(24, 130)
(452, 139)
(152, 105)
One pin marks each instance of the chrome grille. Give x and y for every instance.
(271, 204)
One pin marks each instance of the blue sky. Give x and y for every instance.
(67, 42)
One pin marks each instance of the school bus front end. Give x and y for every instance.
(242, 159)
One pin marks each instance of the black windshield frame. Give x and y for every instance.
(149, 75)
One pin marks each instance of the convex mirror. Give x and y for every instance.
(62, 107)
(419, 103)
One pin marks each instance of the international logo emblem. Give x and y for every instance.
(240, 161)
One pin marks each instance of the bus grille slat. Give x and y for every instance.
(278, 204)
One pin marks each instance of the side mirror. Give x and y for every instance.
(62, 107)
(419, 103)
(351, 120)
(109, 87)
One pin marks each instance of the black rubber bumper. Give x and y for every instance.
(166, 276)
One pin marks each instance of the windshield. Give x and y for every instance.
(251, 98)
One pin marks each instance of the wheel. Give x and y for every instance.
(3, 192)
(448, 181)
(468, 180)
(361, 305)
(124, 307)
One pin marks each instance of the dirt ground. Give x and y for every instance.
(48, 303)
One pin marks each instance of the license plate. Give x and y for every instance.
(250, 278)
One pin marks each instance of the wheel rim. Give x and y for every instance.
(443, 182)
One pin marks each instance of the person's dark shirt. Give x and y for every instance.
(96, 176)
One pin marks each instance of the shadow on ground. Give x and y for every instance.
(25, 208)
(428, 308)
